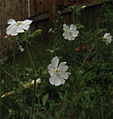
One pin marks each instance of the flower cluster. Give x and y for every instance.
(83, 48)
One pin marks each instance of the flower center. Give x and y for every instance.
(19, 23)
(58, 70)
(70, 32)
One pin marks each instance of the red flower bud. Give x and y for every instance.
(84, 47)
(88, 49)
(77, 49)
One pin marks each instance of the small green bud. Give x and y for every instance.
(35, 34)
(83, 7)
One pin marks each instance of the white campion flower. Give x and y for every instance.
(57, 72)
(108, 38)
(70, 32)
(17, 27)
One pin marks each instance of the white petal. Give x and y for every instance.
(65, 35)
(55, 62)
(58, 81)
(26, 27)
(51, 72)
(63, 67)
(106, 35)
(50, 66)
(64, 25)
(65, 28)
(11, 21)
(63, 75)
(62, 80)
(20, 29)
(70, 38)
(27, 22)
(73, 27)
(54, 80)
(75, 34)
(12, 30)
(51, 69)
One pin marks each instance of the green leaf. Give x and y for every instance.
(44, 99)
(29, 70)
(35, 34)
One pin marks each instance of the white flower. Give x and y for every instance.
(108, 38)
(17, 27)
(70, 32)
(57, 72)
(21, 48)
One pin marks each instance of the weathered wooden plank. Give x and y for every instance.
(87, 3)
(68, 2)
(47, 23)
(33, 7)
(40, 17)
(52, 9)
(65, 10)
(46, 5)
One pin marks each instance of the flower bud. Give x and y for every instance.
(77, 49)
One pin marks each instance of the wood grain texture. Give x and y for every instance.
(16, 9)
(68, 2)
(87, 3)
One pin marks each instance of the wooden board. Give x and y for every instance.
(53, 5)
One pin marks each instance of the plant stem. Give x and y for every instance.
(9, 74)
(33, 66)
(87, 56)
